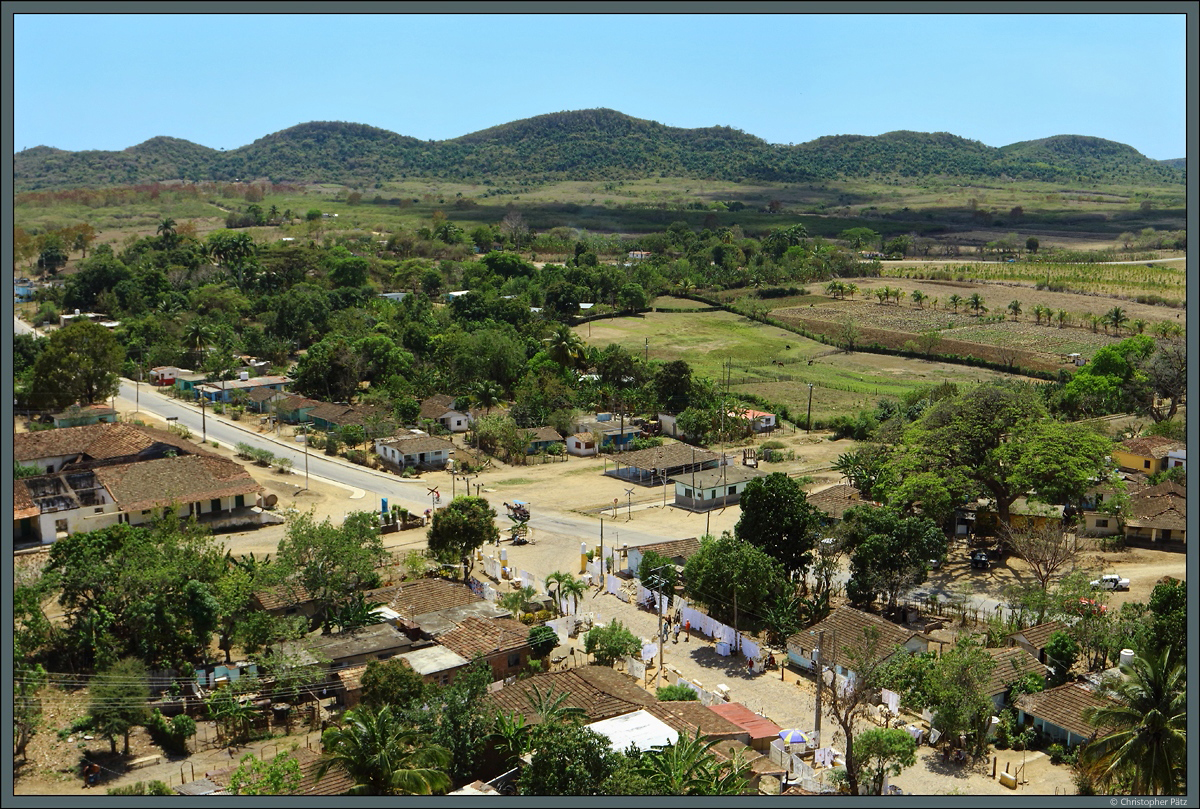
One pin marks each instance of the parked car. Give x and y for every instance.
(980, 561)
(1110, 581)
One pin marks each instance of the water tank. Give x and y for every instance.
(76, 313)
(599, 416)
(1126, 657)
(244, 375)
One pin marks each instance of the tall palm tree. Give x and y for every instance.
(565, 346)
(689, 767)
(486, 393)
(573, 587)
(197, 337)
(1148, 740)
(553, 584)
(383, 756)
(166, 229)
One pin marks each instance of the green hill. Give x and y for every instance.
(589, 145)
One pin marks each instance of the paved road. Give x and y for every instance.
(21, 327)
(409, 494)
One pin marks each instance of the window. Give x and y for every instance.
(514, 660)
(1145, 464)
(733, 489)
(1101, 523)
(99, 510)
(687, 492)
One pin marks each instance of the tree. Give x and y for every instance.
(78, 364)
(456, 718)
(954, 300)
(958, 685)
(889, 552)
(331, 370)
(918, 297)
(675, 693)
(1116, 318)
(1032, 244)
(514, 228)
(1147, 743)
(167, 232)
(141, 592)
(1014, 307)
(565, 347)
(391, 682)
(1166, 376)
(118, 700)
(611, 643)
(1046, 550)
(975, 303)
(994, 440)
(542, 639)
(883, 752)
(777, 517)
(673, 384)
(28, 680)
(728, 572)
(255, 776)
(689, 767)
(1061, 652)
(848, 698)
(332, 562)
(1168, 605)
(569, 760)
(461, 528)
(383, 756)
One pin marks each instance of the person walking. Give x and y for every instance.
(687, 626)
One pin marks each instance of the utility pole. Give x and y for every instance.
(820, 679)
(305, 424)
(602, 570)
(203, 423)
(808, 422)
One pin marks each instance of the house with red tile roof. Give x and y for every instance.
(503, 642)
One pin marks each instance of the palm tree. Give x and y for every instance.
(383, 756)
(1094, 321)
(197, 337)
(954, 300)
(1139, 326)
(573, 587)
(883, 293)
(553, 584)
(689, 767)
(898, 294)
(515, 602)
(166, 229)
(851, 289)
(511, 735)
(565, 346)
(975, 303)
(919, 298)
(486, 393)
(1147, 742)
(1014, 307)
(1116, 318)
(552, 707)
(1062, 318)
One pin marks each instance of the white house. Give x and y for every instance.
(582, 444)
(418, 450)
(441, 409)
(713, 488)
(759, 420)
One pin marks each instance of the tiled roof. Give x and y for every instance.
(97, 441)
(1160, 506)
(262, 394)
(335, 782)
(292, 401)
(668, 456)
(835, 500)
(690, 715)
(846, 624)
(436, 406)
(486, 636)
(347, 414)
(721, 476)
(599, 691)
(411, 444)
(545, 434)
(1039, 634)
(23, 505)
(85, 410)
(282, 595)
(420, 596)
(182, 479)
(1151, 446)
(1063, 706)
(673, 548)
(757, 726)
(1012, 664)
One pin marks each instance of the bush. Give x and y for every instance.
(283, 464)
(171, 735)
(244, 450)
(152, 788)
(676, 693)
(543, 639)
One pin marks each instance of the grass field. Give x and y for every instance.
(1165, 279)
(842, 383)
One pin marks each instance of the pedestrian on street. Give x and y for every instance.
(687, 625)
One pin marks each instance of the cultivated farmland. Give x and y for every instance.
(773, 362)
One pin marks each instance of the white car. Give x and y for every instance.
(1110, 581)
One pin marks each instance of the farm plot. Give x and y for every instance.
(1167, 280)
(776, 363)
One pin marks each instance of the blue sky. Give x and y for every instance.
(222, 81)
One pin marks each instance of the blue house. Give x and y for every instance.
(1058, 713)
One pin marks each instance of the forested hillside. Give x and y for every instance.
(589, 145)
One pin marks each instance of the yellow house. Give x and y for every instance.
(1149, 454)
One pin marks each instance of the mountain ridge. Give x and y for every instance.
(595, 144)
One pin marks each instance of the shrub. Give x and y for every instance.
(244, 450)
(171, 735)
(283, 464)
(138, 788)
(676, 693)
(543, 639)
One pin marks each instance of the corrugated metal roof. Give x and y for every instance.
(759, 727)
(640, 728)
